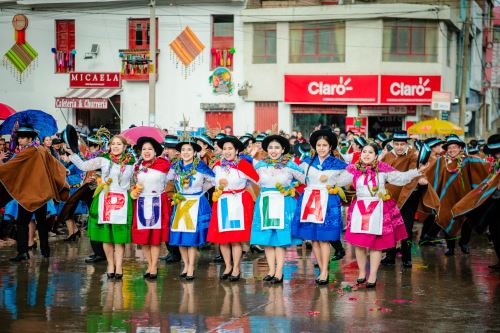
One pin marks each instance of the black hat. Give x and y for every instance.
(205, 139)
(234, 140)
(472, 150)
(170, 141)
(361, 141)
(26, 130)
(433, 142)
(400, 136)
(285, 144)
(331, 138)
(146, 139)
(453, 139)
(260, 137)
(190, 141)
(493, 145)
(219, 136)
(302, 150)
(381, 137)
(424, 154)
(246, 139)
(418, 144)
(70, 137)
(56, 141)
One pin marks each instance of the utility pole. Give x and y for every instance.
(465, 64)
(152, 63)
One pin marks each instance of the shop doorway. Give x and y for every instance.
(107, 118)
(307, 122)
(386, 124)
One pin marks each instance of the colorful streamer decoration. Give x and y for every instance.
(65, 60)
(21, 58)
(223, 57)
(185, 49)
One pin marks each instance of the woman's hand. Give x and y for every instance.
(423, 181)
(68, 150)
(223, 182)
(323, 178)
(423, 168)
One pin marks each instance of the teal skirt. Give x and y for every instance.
(109, 233)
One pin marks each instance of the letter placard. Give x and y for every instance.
(148, 212)
(230, 212)
(186, 215)
(113, 208)
(314, 204)
(367, 216)
(272, 211)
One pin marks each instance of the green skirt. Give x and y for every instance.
(109, 233)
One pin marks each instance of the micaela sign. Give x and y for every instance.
(94, 80)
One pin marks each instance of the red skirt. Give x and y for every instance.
(153, 236)
(214, 236)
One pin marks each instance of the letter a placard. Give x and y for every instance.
(113, 208)
(367, 216)
(272, 211)
(314, 204)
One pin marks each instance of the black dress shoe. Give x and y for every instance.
(183, 275)
(407, 264)
(170, 259)
(33, 247)
(153, 276)
(321, 282)
(388, 261)
(45, 253)
(225, 276)
(338, 255)
(268, 278)
(256, 249)
(275, 280)
(94, 259)
(118, 276)
(189, 277)
(233, 278)
(218, 259)
(20, 257)
(465, 249)
(361, 281)
(449, 252)
(370, 285)
(110, 275)
(146, 275)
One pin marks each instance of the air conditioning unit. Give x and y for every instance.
(94, 51)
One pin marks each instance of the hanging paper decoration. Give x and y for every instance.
(221, 81)
(185, 49)
(135, 64)
(21, 58)
(65, 60)
(222, 57)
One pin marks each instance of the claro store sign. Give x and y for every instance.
(360, 89)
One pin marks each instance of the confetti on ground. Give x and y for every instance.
(381, 309)
(421, 266)
(313, 313)
(353, 299)
(402, 301)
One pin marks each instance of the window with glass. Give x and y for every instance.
(223, 25)
(496, 34)
(410, 41)
(264, 43)
(317, 42)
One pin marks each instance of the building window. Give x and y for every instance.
(65, 44)
(317, 42)
(410, 41)
(496, 34)
(222, 41)
(264, 43)
(138, 33)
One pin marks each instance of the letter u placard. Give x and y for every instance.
(314, 204)
(230, 212)
(367, 216)
(272, 211)
(113, 208)
(148, 212)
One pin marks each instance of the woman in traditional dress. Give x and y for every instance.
(151, 219)
(232, 210)
(191, 215)
(318, 216)
(273, 214)
(110, 216)
(374, 221)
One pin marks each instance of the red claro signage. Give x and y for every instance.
(94, 80)
(331, 89)
(415, 89)
(361, 89)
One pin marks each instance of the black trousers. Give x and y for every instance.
(430, 228)
(408, 213)
(23, 220)
(491, 215)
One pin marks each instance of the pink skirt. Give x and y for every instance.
(393, 229)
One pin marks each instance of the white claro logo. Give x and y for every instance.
(403, 89)
(321, 88)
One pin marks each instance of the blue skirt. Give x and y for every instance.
(330, 230)
(12, 207)
(274, 237)
(179, 238)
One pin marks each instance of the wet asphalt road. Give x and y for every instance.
(64, 294)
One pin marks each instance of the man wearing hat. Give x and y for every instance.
(402, 158)
(169, 144)
(258, 153)
(207, 147)
(482, 204)
(46, 180)
(453, 176)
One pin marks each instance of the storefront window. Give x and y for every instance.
(385, 124)
(306, 123)
(317, 42)
(410, 41)
(264, 43)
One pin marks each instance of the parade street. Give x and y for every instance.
(64, 294)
